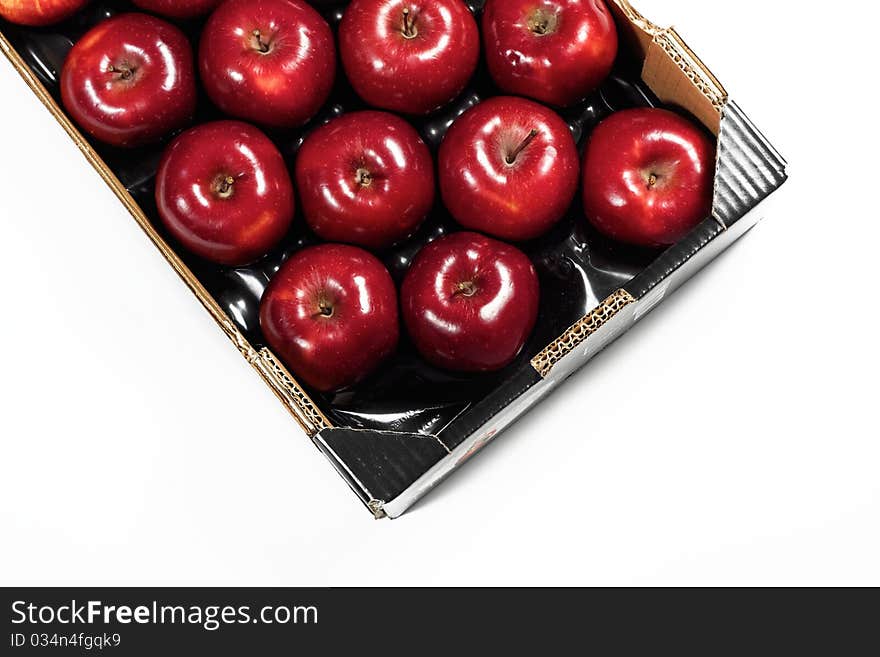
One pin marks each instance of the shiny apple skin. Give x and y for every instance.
(623, 153)
(157, 97)
(365, 178)
(518, 201)
(37, 13)
(409, 75)
(470, 302)
(282, 88)
(563, 65)
(178, 9)
(232, 224)
(332, 351)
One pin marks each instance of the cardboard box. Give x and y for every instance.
(399, 434)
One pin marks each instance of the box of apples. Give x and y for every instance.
(414, 218)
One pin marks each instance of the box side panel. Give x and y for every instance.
(749, 167)
(748, 170)
(465, 450)
(615, 327)
(380, 465)
(679, 77)
(670, 68)
(283, 385)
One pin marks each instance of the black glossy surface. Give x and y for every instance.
(578, 268)
(384, 465)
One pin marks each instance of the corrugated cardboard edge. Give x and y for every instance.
(285, 387)
(581, 331)
(677, 76)
(671, 69)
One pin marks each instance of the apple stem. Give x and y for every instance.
(543, 22)
(524, 145)
(262, 46)
(652, 180)
(409, 25)
(363, 177)
(466, 289)
(224, 189)
(125, 72)
(326, 310)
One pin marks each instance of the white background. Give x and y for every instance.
(731, 438)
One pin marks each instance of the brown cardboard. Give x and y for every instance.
(671, 68)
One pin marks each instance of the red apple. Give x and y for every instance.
(130, 80)
(268, 61)
(509, 168)
(555, 51)
(409, 56)
(365, 178)
(470, 302)
(223, 191)
(181, 9)
(37, 13)
(331, 314)
(648, 177)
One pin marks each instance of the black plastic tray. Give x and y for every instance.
(578, 268)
